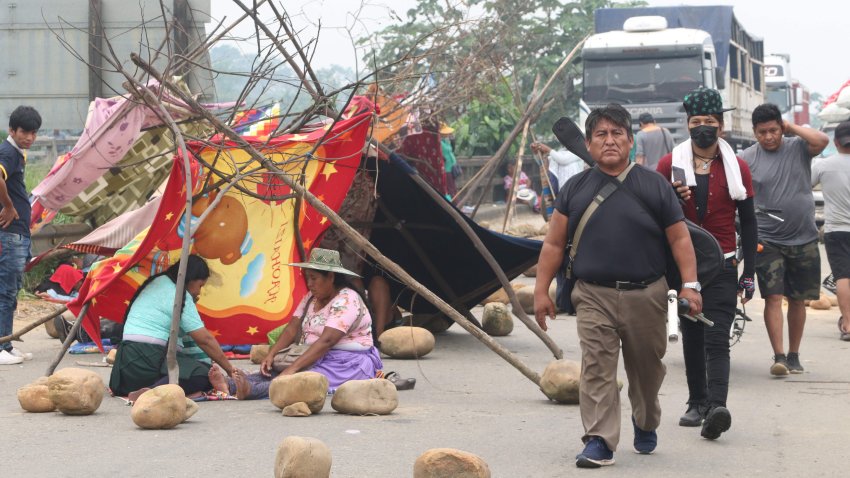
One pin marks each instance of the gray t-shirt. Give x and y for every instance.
(653, 145)
(833, 174)
(782, 181)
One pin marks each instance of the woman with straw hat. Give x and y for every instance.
(332, 319)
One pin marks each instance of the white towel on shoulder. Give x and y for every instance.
(683, 157)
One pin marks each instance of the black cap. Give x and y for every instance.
(645, 118)
(842, 134)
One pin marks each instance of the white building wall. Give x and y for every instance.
(40, 71)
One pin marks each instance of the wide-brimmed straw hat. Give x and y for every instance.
(324, 260)
(524, 194)
(445, 129)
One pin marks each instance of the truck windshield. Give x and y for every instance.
(642, 80)
(778, 95)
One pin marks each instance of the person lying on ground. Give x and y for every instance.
(64, 284)
(332, 319)
(140, 363)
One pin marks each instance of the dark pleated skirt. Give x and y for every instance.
(138, 365)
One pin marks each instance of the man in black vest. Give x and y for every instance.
(620, 291)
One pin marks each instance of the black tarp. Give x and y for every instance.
(404, 205)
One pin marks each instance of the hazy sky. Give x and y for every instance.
(807, 30)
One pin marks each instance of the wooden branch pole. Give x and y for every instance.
(488, 189)
(308, 85)
(545, 199)
(541, 168)
(529, 110)
(72, 335)
(179, 293)
(544, 180)
(347, 230)
(511, 199)
(17, 335)
(544, 175)
(474, 180)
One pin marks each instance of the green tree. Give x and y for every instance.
(488, 54)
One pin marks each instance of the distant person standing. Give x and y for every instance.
(789, 264)
(450, 161)
(562, 165)
(833, 174)
(652, 142)
(24, 124)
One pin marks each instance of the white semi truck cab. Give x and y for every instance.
(647, 59)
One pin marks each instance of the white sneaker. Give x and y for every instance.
(23, 355)
(8, 359)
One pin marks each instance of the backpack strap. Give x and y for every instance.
(667, 140)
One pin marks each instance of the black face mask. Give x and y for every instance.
(704, 135)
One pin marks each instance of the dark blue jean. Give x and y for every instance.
(14, 253)
(706, 349)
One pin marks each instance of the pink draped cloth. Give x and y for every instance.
(112, 126)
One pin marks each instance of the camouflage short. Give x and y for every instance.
(792, 271)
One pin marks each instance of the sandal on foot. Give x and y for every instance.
(399, 382)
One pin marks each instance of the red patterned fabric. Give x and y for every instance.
(425, 151)
(246, 241)
(67, 277)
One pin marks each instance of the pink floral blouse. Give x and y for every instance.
(340, 313)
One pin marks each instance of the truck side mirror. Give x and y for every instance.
(720, 78)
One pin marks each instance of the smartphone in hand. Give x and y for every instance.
(679, 175)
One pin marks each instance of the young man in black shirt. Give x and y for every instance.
(24, 124)
(620, 291)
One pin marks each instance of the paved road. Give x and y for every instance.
(466, 398)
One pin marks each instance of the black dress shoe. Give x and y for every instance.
(692, 418)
